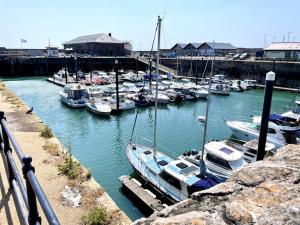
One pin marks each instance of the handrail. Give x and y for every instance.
(33, 190)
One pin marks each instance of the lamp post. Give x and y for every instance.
(270, 78)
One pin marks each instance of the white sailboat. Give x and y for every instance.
(176, 179)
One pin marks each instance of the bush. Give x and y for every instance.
(70, 167)
(51, 148)
(46, 132)
(97, 216)
(88, 174)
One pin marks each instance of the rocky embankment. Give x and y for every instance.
(265, 192)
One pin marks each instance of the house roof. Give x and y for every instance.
(219, 45)
(195, 45)
(181, 45)
(98, 38)
(281, 46)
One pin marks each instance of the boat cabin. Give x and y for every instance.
(75, 91)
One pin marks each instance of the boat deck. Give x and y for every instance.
(134, 188)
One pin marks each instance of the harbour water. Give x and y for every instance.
(99, 143)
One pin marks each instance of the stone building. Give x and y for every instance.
(283, 50)
(98, 45)
(216, 48)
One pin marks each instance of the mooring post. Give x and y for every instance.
(76, 67)
(91, 74)
(270, 78)
(150, 73)
(7, 148)
(66, 75)
(137, 67)
(33, 213)
(117, 83)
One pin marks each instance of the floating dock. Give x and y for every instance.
(145, 197)
(53, 81)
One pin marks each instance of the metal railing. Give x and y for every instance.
(26, 195)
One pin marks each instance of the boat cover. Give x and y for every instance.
(297, 133)
(275, 117)
(207, 182)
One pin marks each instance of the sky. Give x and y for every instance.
(244, 23)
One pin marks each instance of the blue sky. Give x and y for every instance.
(240, 22)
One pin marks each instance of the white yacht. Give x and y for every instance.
(100, 108)
(94, 91)
(161, 98)
(124, 104)
(112, 89)
(60, 76)
(218, 157)
(250, 84)
(130, 88)
(74, 95)
(220, 89)
(278, 134)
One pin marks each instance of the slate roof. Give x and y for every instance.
(195, 45)
(281, 46)
(219, 45)
(181, 45)
(99, 38)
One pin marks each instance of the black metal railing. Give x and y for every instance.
(26, 195)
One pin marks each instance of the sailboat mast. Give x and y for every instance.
(202, 164)
(156, 87)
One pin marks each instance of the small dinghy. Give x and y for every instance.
(201, 118)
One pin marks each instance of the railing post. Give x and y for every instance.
(6, 149)
(33, 213)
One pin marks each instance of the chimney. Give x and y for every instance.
(109, 34)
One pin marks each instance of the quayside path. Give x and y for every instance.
(47, 154)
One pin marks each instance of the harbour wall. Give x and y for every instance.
(287, 73)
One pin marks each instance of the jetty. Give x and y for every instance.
(144, 196)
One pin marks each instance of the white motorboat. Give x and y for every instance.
(124, 104)
(161, 98)
(220, 89)
(94, 91)
(130, 88)
(74, 95)
(100, 108)
(250, 84)
(278, 134)
(201, 118)
(112, 89)
(60, 76)
(218, 157)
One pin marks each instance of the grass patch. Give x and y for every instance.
(46, 132)
(51, 148)
(97, 216)
(70, 168)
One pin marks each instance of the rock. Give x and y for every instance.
(265, 192)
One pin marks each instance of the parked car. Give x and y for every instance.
(244, 56)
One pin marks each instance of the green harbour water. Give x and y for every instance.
(99, 143)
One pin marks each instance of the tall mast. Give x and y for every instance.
(201, 163)
(156, 87)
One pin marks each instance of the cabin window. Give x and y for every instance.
(270, 130)
(170, 179)
(218, 161)
(162, 163)
(147, 152)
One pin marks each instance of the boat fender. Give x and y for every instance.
(185, 153)
(194, 152)
(188, 153)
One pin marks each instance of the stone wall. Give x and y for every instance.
(265, 192)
